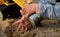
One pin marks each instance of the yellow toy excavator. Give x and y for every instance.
(20, 3)
(11, 8)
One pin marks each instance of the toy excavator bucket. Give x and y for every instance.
(20, 3)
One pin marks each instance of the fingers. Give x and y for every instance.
(22, 28)
(26, 28)
(23, 24)
(22, 11)
(16, 23)
(19, 27)
(25, 11)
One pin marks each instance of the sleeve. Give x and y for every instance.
(49, 11)
(48, 1)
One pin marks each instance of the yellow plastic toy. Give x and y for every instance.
(21, 3)
(1, 2)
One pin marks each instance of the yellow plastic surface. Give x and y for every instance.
(7, 4)
(21, 3)
(4, 2)
(1, 2)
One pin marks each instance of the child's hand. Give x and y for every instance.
(23, 24)
(29, 9)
